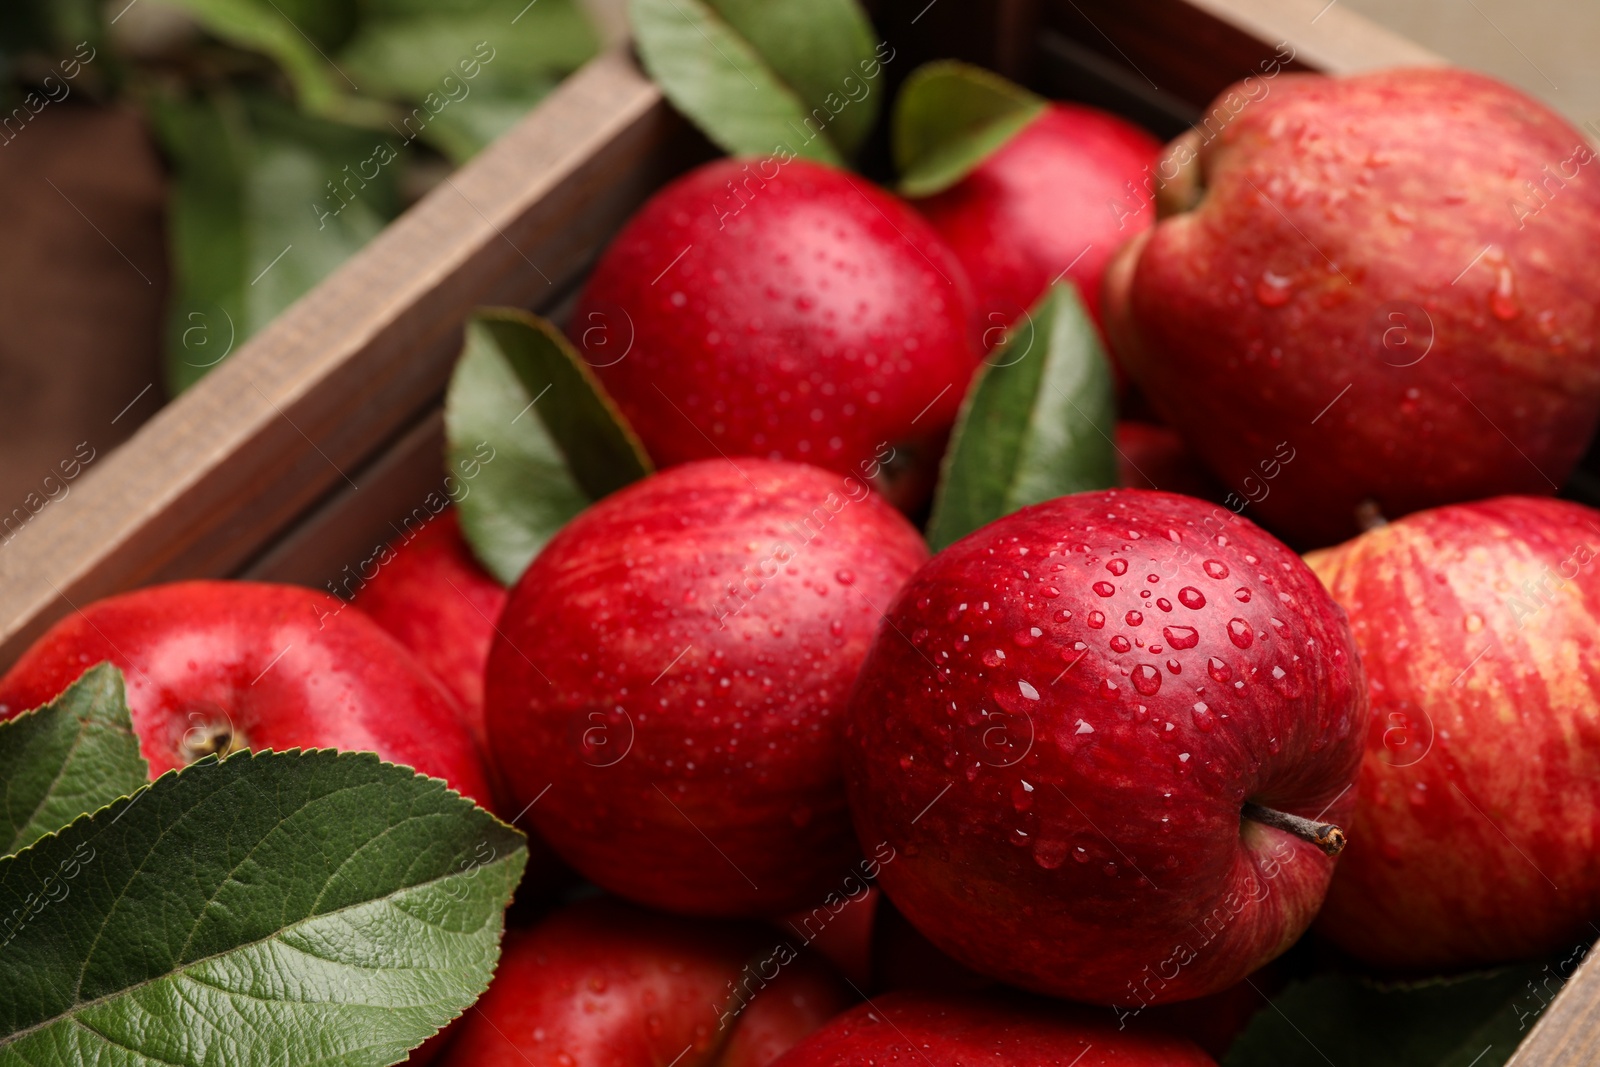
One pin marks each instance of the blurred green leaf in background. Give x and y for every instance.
(295, 129)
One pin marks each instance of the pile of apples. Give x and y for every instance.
(1105, 750)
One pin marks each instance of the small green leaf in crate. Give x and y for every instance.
(73, 756)
(763, 76)
(951, 116)
(267, 909)
(1037, 422)
(525, 406)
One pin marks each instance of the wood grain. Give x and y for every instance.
(227, 469)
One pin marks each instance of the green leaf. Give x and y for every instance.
(266, 203)
(524, 405)
(951, 116)
(270, 908)
(1036, 423)
(1471, 1021)
(75, 755)
(763, 76)
(470, 68)
(295, 34)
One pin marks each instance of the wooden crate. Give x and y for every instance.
(298, 455)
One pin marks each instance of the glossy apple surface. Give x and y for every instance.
(789, 311)
(674, 667)
(217, 666)
(1057, 200)
(1392, 272)
(602, 983)
(1478, 817)
(992, 1030)
(433, 596)
(1058, 728)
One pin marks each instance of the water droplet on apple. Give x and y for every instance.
(1119, 567)
(1181, 636)
(1191, 598)
(1163, 603)
(1096, 619)
(1503, 301)
(1273, 290)
(1104, 589)
(1174, 666)
(1240, 634)
(1133, 618)
(1242, 595)
(993, 657)
(1146, 679)
(1218, 669)
(1204, 721)
(1028, 690)
(1022, 796)
(1120, 644)
(1215, 568)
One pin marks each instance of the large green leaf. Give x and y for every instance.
(469, 69)
(951, 116)
(525, 406)
(266, 204)
(75, 755)
(1472, 1021)
(1036, 424)
(270, 908)
(764, 76)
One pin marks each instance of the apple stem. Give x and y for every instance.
(1369, 516)
(1326, 836)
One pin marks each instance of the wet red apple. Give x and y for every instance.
(786, 310)
(993, 1030)
(1475, 831)
(216, 666)
(1106, 736)
(431, 594)
(1391, 275)
(668, 685)
(601, 982)
(1056, 201)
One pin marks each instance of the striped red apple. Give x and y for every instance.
(1478, 818)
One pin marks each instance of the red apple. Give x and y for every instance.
(603, 983)
(1155, 457)
(786, 310)
(1056, 201)
(993, 1030)
(840, 927)
(673, 668)
(1390, 275)
(1479, 809)
(213, 667)
(1071, 729)
(431, 594)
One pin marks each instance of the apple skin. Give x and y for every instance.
(690, 734)
(1066, 191)
(434, 597)
(1336, 240)
(1155, 457)
(999, 1031)
(1480, 788)
(1050, 735)
(810, 316)
(606, 984)
(221, 665)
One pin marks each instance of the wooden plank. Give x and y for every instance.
(226, 469)
(1569, 1030)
